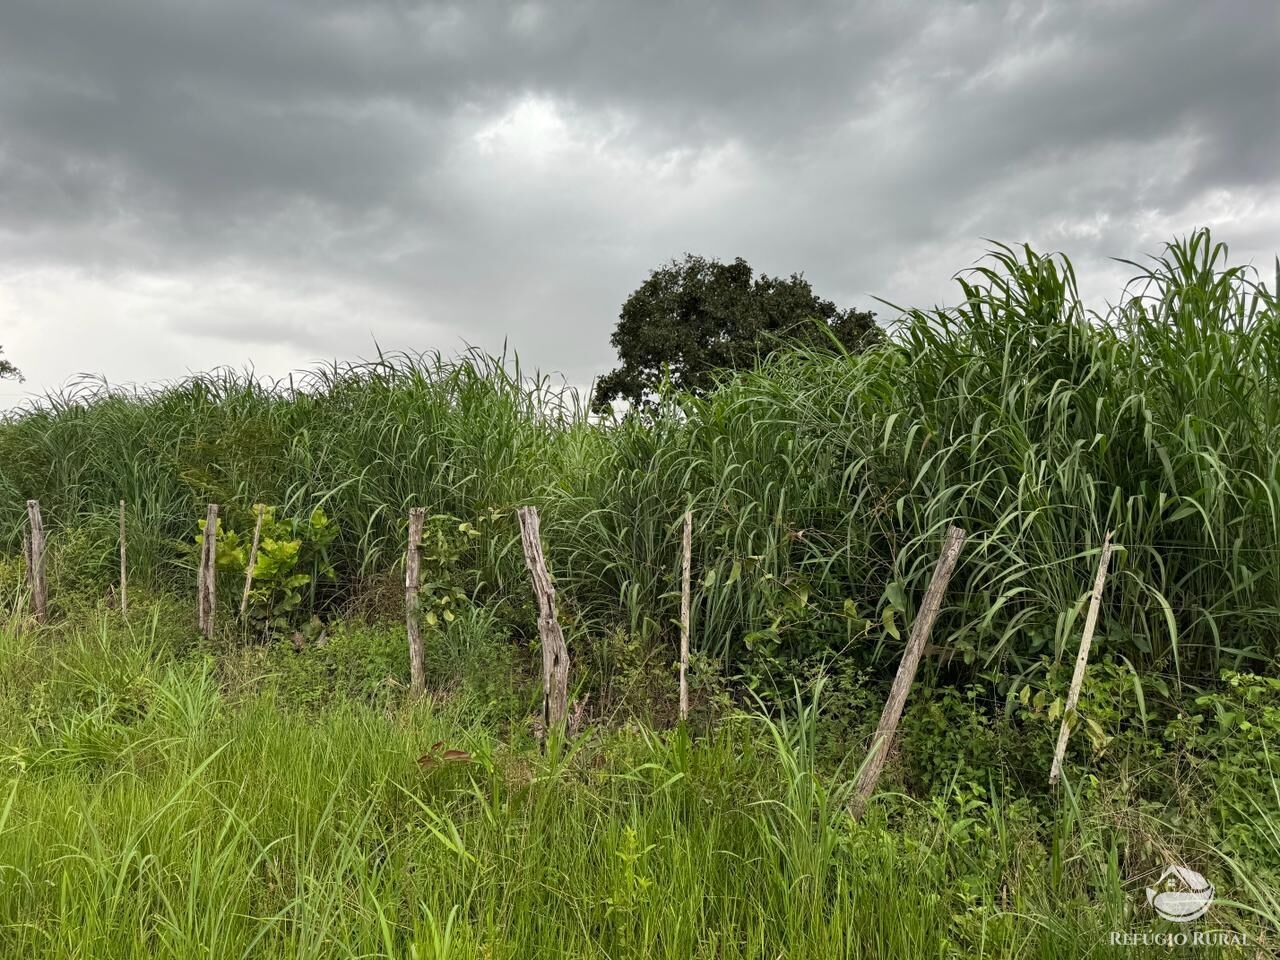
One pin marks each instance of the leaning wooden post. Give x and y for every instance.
(253, 559)
(124, 571)
(412, 568)
(1082, 661)
(555, 653)
(686, 550)
(883, 740)
(36, 563)
(208, 580)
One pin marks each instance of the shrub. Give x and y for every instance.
(369, 663)
(291, 562)
(1232, 738)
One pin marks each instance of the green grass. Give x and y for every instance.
(152, 807)
(168, 797)
(820, 484)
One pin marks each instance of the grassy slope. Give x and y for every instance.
(155, 808)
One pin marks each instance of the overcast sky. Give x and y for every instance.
(186, 185)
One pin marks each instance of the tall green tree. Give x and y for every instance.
(694, 317)
(7, 369)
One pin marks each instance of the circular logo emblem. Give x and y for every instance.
(1181, 895)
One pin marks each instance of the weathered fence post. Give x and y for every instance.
(686, 550)
(201, 582)
(253, 559)
(26, 556)
(1082, 661)
(555, 653)
(36, 563)
(206, 582)
(883, 739)
(412, 568)
(124, 569)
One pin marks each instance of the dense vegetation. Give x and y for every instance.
(271, 771)
(820, 485)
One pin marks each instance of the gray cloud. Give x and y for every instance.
(186, 183)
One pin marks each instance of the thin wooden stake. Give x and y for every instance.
(253, 559)
(412, 568)
(1082, 661)
(26, 562)
(555, 652)
(202, 583)
(124, 569)
(208, 579)
(211, 571)
(36, 563)
(686, 548)
(888, 726)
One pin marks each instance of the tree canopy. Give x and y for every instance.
(7, 369)
(694, 317)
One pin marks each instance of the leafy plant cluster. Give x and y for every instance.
(449, 564)
(290, 565)
(1232, 736)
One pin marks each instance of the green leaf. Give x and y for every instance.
(890, 627)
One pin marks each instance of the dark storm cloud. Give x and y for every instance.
(314, 175)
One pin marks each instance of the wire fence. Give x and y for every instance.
(1024, 694)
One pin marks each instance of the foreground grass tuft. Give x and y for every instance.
(148, 812)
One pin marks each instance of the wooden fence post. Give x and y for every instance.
(201, 583)
(26, 559)
(124, 569)
(686, 549)
(36, 563)
(1082, 661)
(26, 555)
(206, 577)
(555, 653)
(253, 558)
(883, 739)
(412, 568)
